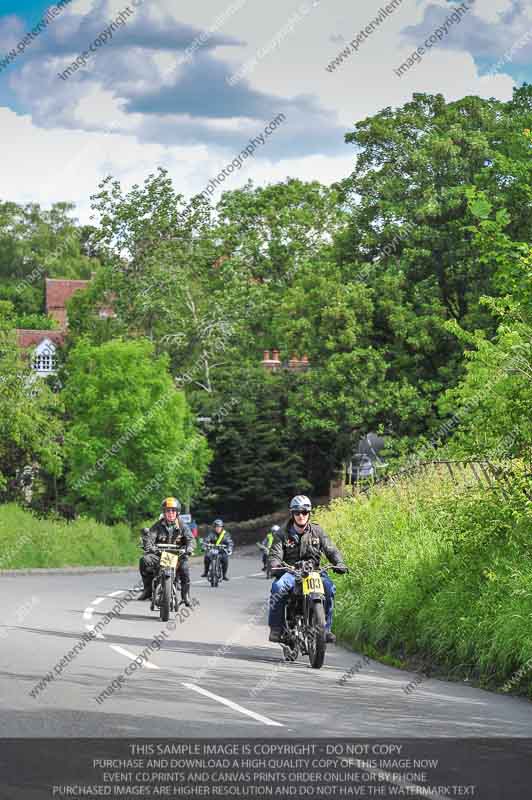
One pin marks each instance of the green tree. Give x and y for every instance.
(257, 464)
(493, 401)
(422, 176)
(30, 421)
(130, 435)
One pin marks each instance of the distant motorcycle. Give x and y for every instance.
(304, 628)
(214, 575)
(266, 559)
(164, 589)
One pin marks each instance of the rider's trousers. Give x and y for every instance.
(281, 587)
(149, 564)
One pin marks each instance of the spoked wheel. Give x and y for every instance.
(317, 636)
(213, 572)
(154, 590)
(166, 600)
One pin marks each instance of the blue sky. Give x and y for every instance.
(164, 89)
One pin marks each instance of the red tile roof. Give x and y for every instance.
(27, 338)
(58, 291)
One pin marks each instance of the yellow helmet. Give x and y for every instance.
(171, 502)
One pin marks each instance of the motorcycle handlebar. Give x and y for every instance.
(326, 568)
(174, 547)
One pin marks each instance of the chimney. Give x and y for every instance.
(294, 362)
(273, 362)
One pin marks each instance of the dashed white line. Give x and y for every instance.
(98, 635)
(98, 601)
(234, 706)
(132, 656)
(120, 591)
(87, 614)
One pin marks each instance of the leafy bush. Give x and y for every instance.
(440, 573)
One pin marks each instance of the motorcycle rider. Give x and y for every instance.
(218, 535)
(168, 530)
(300, 540)
(266, 544)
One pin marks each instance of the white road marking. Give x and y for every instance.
(232, 705)
(98, 635)
(98, 601)
(87, 614)
(132, 656)
(121, 591)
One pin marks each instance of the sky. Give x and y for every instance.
(188, 86)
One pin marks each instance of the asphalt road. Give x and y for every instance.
(215, 673)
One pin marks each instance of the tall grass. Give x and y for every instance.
(26, 541)
(440, 574)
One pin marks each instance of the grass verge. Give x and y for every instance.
(441, 577)
(27, 541)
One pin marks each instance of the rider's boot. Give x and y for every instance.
(185, 597)
(146, 592)
(205, 568)
(275, 635)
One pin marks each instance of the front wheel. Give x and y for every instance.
(166, 599)
(317, 636)
(213, 572)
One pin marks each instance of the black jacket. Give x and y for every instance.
(212, 538)
(291, 547)
(161, 533)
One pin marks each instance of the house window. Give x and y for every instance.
(44, 361)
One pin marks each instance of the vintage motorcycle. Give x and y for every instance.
(304, 628)
(266, 559)
(214, 575)
(164, 588)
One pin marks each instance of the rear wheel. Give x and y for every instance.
(166, 599)
(317, 636)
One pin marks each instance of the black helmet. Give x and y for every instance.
(217, 522)
(171, 502)
(300, 503)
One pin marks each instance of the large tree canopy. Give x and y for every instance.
(130, 438)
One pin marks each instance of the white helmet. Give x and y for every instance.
(300, 503)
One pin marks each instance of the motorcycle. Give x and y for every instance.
(304, 629)
(214, 575)
(266, 559)
(164, 589)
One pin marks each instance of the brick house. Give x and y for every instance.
(57, 292)
(44, 344)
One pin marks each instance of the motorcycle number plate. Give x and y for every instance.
(313, 583)
(169, 560)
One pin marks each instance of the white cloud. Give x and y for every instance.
(67, 159)
(493, 10)
(52, 165)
